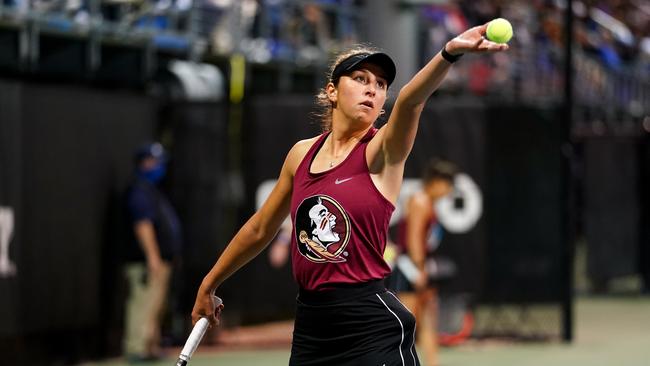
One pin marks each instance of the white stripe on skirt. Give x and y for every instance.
(415, 328)
(401, 326)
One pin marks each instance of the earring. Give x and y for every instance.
(382, 112)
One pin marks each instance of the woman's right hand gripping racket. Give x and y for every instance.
(195, 337)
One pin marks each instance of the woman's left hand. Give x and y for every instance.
(473, 40)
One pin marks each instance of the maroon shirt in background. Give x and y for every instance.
(340, 221)
(431, 235)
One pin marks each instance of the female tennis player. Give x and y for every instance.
(340, 188)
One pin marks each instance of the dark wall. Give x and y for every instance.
(644, 241)
(455, 129)
(11, 195)
(525, 209)
(66, 157)
(613, 206)
(197, 135)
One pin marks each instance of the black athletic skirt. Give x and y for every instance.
(361, 325)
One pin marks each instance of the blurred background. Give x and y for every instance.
(550, 240)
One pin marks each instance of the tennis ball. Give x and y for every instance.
(499, 30)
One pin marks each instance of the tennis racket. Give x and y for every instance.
(194, 339)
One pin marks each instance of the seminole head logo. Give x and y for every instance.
(322, 229)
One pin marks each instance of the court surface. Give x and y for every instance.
(609, 332)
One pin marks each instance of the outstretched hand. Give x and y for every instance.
(473, 40)
(207, 306)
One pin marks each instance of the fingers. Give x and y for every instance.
(472, 31)
(218, 306)
(474, 40)
(482, 29)
(213, 318)
(195, 318)
(214, 321)
(487, 45)
(217, 314)
(208, 307)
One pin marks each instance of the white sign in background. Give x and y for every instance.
(7, 268)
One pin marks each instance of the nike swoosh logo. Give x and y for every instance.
(339, 181)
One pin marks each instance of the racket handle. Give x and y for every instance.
(408, 268)
(193, 341)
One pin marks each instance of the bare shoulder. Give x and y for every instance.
(386, 174)
(376, 143)
(378, 152)
(298, 152)
(419, 200)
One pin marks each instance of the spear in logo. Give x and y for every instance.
(319, 249)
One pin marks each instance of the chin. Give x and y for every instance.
(366, 119)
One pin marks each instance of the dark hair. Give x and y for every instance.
(438, 168)
(325, 106)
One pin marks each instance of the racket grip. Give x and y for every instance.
(408, 268)
(193, 341)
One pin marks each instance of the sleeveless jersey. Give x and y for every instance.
(340, 221)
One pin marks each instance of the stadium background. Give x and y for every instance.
(228, 87)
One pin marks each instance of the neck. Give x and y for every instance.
(340, 143)
(342, 140)
(346, 125)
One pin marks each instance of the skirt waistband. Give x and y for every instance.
(340, 292)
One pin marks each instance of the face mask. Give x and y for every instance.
(155, 174)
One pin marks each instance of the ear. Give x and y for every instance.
(331, 92)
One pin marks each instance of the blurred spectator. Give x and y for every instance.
(419, 235)
(311, 34)
(155, 246)
(283, 30)
(614, 34)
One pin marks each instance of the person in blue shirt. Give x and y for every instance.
(156, 244)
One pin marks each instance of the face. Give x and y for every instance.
(152, 169)
(149, 163)
(324, 222)
(439, 187)
(360, 95)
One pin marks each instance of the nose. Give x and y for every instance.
(372, 87)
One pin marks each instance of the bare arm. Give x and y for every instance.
(416, 223)
(388, 151)
(252, 238)
(399, 133)
(146, 235)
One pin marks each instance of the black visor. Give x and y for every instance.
(353, 62)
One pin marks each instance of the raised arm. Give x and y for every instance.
(251, 239)
(399, 133)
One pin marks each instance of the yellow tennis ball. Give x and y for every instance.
(499, 30)
(390, 253)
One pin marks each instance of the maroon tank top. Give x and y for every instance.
(340, 220)
(432, 235)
